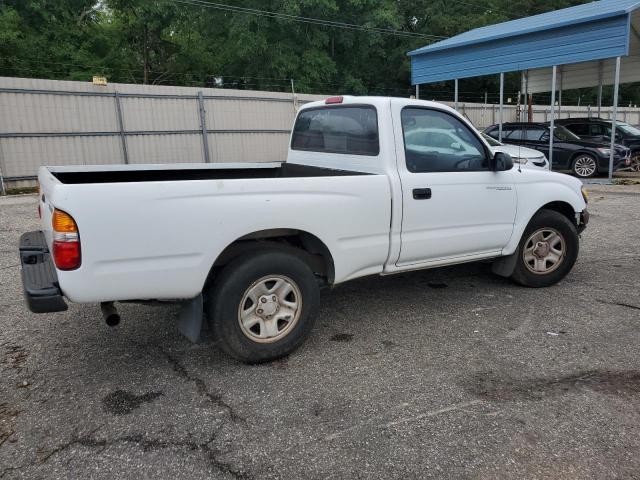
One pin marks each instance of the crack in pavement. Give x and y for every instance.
(214, 398)
(619, 304)
(147, 444)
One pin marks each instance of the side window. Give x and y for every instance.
(493, 132)
(580, 129)
(596, 130)
(350, 130)
(545, 136)
(534, 134)
(513, 133)
(436, 141)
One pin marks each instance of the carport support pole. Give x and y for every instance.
(455, 95)
(599, 87)
(614, 118)
(553, 115)
(560, 96)
(500, 111)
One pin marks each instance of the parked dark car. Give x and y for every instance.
(584, 158)
(599, 130)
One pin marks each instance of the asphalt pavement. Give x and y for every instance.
(450, 373)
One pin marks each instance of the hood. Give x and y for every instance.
(519, 152)
(557, 177)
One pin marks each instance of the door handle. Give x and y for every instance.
(421, 193)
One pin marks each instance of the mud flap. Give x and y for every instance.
(504, 266)
(189, 320)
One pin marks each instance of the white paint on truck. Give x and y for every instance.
(378, 199)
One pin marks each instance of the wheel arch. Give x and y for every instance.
(305, 245)
(504, 266)
(577, 153)
(559, 206)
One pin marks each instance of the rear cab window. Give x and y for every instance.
(344, 129)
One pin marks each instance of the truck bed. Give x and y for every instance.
(156, 173)
(154, 231)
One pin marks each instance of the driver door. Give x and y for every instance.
(454, 206)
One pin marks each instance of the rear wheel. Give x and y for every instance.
(264, 305)
(585, 166)
(547, 251)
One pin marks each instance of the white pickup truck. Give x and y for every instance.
(371, 186)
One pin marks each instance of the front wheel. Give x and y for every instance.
(585, 166)
(635, 162)
(548, 250)
(263, 305)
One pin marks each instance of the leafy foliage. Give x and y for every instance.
(185, 43)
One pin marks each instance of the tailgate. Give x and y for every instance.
(48, 185)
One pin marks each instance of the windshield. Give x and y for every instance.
(562, 133)
(628, 129)
(491, 141)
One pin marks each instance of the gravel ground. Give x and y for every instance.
(450, 373)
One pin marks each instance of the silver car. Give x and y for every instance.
(523, 156)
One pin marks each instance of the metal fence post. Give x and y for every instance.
(203, 126)
(123, 138)
(2, 186)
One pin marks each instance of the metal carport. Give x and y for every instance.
(588, 40)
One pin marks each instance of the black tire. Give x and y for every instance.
(567, 230)
(229, 289)
(580, 164)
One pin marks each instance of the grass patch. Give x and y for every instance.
(21, 190)
(626, 181)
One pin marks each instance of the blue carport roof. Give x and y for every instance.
(584, 32)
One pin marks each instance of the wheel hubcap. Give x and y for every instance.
(585, 166)
(270, 308)
(544, 251)
(635, 163)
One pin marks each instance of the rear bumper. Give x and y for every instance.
(619, 163)
(39, 278)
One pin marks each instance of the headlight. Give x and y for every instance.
(585, 194)
(521, 161)
(604, 151)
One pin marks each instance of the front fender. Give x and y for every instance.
(533, 196)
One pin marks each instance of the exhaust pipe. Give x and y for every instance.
(110, 314)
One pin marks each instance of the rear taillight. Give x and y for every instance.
(66, 241)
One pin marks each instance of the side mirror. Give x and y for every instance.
(456, 146)
(502, 162)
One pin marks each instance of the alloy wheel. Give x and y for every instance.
(585, 166)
